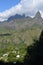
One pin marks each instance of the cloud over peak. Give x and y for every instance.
(12, 11)
(27, 7)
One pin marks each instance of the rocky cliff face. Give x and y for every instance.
(22, 22)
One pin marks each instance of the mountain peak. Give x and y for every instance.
(38, 15)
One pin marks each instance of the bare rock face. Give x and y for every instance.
(38, 15)
(38, 19)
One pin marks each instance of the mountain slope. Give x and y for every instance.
(22, 22)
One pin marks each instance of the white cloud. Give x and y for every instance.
(28, 7)
(12, 11)
(41, 13)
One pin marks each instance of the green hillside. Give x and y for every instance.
(14, 45)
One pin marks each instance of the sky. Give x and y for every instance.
(12, 7)
(7, 4)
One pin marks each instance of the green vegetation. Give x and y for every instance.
(13, 47)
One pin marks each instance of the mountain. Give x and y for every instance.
(23, 22)
(38, 19)
(17, 16)
(38, 15)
